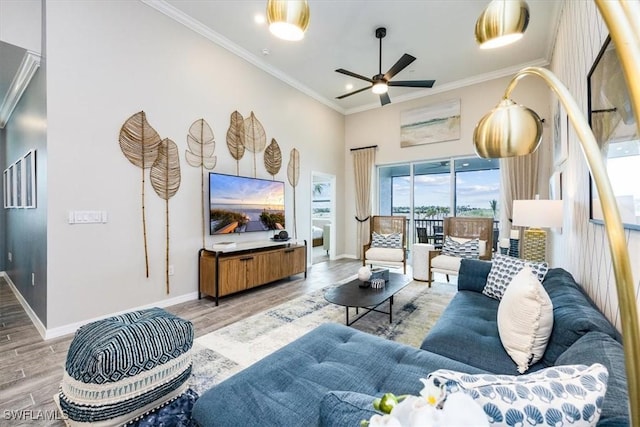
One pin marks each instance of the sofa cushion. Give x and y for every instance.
(345, 408)
(503, 268)
(286, 387)
(467, 332)
(573, 314)
(472, 275)
(596, 347)
(554, 395)
(446, 263)
(385, 254)
(525, 319)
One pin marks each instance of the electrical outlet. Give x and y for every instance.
(10, 256)
(33, 279)
(171, 271)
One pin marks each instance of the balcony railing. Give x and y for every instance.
(431, 231)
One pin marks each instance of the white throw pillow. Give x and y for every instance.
(525, 319)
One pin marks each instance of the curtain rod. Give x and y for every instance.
(364, 148)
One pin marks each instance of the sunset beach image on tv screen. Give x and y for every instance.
(240, 204)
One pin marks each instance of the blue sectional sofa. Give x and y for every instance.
(330, 375)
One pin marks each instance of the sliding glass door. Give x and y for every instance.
(426, 192)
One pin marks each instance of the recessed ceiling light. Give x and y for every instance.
(259, 19)
(266, 51)
(349, 86)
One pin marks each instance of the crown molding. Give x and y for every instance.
(28, 66)
(480, 78)
(198, 27)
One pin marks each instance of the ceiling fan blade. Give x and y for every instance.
(399, 66)
(384, 99)
(413, 83)
(357, 76)
(352, 93)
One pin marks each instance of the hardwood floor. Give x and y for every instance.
(31, 368)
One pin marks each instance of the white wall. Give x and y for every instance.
(581, 34)
(21, 23)
(382, 127)
(107, 61)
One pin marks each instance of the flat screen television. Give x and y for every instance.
(239, 204)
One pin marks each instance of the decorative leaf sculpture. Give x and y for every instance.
(201, 145)
(273, 158)
(165, 179)
(236, 138)
(140, 142)
(293, 173)
(255, 137)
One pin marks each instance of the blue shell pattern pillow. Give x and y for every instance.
(467, 250)
(560, 395)
(503, 270)
(393, 240)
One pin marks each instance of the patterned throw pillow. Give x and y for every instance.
(469, 249)
(504, 268)
(560, 395)
(393, 240)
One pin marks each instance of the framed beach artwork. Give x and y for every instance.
(433, 123)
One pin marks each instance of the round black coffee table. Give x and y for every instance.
(352, 295)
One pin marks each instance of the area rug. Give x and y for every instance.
(222, 353)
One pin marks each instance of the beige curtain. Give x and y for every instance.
(363, 162)
(519, 181)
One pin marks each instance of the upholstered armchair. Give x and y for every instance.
(459, 241)
(387, 242)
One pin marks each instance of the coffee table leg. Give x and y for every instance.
(347, 308)
(391, 309)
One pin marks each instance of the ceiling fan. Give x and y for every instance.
(380, 82)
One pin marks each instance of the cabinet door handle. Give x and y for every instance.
(246, 258)
(288, 251)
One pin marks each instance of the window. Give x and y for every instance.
(426, 192)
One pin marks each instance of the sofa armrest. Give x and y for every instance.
(473, 274)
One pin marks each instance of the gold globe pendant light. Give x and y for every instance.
(508, 130)
(288, 20)
(501, 23)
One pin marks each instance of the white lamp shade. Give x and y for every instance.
(537, 213)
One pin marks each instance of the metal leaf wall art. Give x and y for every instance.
(201, 146)
(165, 179)
(293, 173)
(140, 143)
(236, 138)
(273, 158)
(255, 137)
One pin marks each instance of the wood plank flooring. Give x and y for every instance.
(31, 368)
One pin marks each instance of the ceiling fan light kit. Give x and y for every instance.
(380, 82)
(501, 23)
(288, 20)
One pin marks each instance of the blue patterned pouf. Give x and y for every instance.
(123, 367)
(177, 413)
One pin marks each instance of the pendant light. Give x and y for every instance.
(288, 20)
(501, 23)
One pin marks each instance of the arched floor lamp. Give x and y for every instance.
(514, 130)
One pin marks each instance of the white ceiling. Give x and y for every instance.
(439, 33)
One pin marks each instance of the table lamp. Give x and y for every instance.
(536, 214)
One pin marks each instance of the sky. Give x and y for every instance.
(475, 189)
(235, 190)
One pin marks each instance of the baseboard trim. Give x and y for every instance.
(72, 327)
(42, 330)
